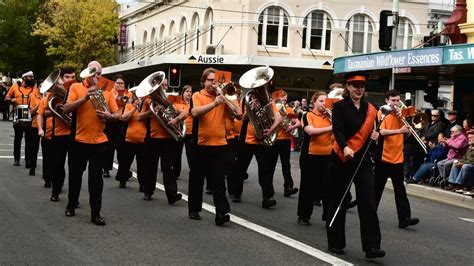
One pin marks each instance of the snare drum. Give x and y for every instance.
(22, 115)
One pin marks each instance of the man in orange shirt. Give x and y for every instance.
(44, 121)
(32, 154)
(282, 146)
(21, 94)
(89, 141)
(389, 160)
(211, 147)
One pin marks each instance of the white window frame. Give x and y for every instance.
(406, 27)
(367, 23)
(282, 15)
(323, 37)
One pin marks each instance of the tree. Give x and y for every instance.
(19, 50)
(77, 32)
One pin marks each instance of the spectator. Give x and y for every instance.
(304, 105)
(436, 126)
(452, 121)
(437, 153)
(462, 173)
(466, 126)
(4, 106)
(457, 145)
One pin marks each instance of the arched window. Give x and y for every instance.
(273, 27)
(196, 32)
(153, 35)
(359, 34)
(404, 34)
(317, 31)
(145, 36)
(208, 21)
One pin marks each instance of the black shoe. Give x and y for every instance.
(27, 165)
(235, 199)
(374, 253)
(147, 197)
(412, 181)
(141, 189)
(350, 205)
(16, 163)
(290, 191)
(194, 216)
(106, 174)
(338, 251)
(55, 198)
(304, 222)
(32, 171)
(175, 198)
(47, 184)
(209, 191)
(408, 222)
(97, 220)
(123, 184)
(222, 219)
(317, 203)
(267, 203)
(70, 212)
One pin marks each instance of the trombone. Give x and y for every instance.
(398, 112)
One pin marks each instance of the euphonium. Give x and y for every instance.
(97, 99)
(258, 102)
(54, 84)
(162, 109)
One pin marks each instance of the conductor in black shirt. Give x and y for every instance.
(354, 122)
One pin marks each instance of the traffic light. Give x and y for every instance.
(174, 76)
(432, 94)
(385, 31)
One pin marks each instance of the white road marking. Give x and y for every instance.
(269, 233)
(22, 157)
(1, 144)
(468, 219)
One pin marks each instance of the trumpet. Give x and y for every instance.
(229, 91)
(397, 111)
(53, 83)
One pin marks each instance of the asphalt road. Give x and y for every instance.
(35, 230)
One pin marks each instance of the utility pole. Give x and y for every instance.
(395, 21)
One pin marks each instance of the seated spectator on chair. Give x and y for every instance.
(457, 145)
(437, 153)
(463, 170)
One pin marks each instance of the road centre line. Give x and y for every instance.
(316, 253)
(467, 219)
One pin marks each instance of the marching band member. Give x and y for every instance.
(315, 158)
(159, 144)
(211, 147)
(60, 139)
(113, 129)
(21, 94)
(133, 145)
(45, 123)
(389, 160)
(89, 140)
(35, 102)
(282, 146)
(183, 104)
(353, 126)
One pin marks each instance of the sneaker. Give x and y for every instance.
(468, 193)
(412, 181)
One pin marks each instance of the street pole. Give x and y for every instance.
(394, 38)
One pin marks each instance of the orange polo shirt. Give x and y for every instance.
(189, 119)
(89, 128)
(211, 126)
(250, 138)
(136, 130)
(156, 130)
(22, 95)
(48, 125)
(238, 122)
(35, 101)
(282, 134)
(392, 145)
(319, 144)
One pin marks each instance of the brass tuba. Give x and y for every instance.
(162, 109)
(54, 84)
(97, 99)
(258, 102)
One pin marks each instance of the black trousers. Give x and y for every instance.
(395, 171)
(59, 150)
(46, 145)
(264, 158)
(31, 152)
(128, 152)
(5, 109)
(153, 151)
(187, 143)
(232, 170)
(210, 162)
(81, 154)
(282, 149)
(113, 130)
(340, 176)
(19, 132)
(314, 183)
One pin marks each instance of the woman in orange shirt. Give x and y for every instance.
(314, 158)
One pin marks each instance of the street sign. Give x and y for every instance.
(402, 70)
